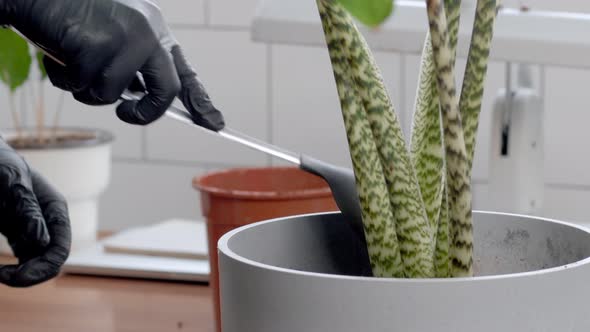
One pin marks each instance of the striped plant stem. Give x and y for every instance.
(427, 144)
(377, 213)
(457, 171)
(475, 72)
(415, 234)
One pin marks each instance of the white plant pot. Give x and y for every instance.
(80, 171)
(305, 273)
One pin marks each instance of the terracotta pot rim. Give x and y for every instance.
(199, 184)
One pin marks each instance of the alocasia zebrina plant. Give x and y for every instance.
(416, 203)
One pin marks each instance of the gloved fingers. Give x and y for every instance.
(48, 263)
(117, 75)
(32, 272)
(56, 214)
(193, 94)
(137, 85)
(80, 72)
(162, 85)
(7, 273)
(33, 235)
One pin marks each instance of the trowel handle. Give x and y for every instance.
(184, 116)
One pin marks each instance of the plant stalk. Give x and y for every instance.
(427, 144)
(40, 114)
(16, 123)
(411, 221)
(459, 184)
(380, 231)
(475, 73)
(57, 116)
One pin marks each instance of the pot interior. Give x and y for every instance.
(325, 243)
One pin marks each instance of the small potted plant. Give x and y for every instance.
(77, 161)
(433, 264)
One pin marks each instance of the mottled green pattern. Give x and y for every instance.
(459, 186)
(427, 144)
(411, 222)
(378, 219)
(428, 159)
(416, 207)
(475, 72)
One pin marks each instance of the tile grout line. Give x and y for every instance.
(210, 27)
(568, 186)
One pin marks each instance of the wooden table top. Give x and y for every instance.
(88, 304)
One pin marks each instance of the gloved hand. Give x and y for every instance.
(34, 219)
(104, 44)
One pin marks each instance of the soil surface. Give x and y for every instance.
(49, 139)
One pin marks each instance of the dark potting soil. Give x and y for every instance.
(49, 140)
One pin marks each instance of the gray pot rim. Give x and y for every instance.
(101, 137)
(222, 246)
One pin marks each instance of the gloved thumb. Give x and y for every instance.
(193, 94)
(7, 274)
(30, 223)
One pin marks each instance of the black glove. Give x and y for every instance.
(104, 44)
(34, 219)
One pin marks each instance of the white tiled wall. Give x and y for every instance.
(184, 12)
(234, 71)
(286, 94)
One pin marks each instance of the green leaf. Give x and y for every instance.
(15, 59)
(41, 65)
(369, 12)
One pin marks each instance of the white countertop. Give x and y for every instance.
(548, 38)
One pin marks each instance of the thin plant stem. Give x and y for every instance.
(40, 113)
(57, 115)
(15, 117)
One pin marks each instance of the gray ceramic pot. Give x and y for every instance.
(304, 274)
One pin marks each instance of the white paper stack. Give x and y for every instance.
(170, 250)
(173, 238)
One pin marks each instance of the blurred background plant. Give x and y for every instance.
(369, 12)
(17, 59)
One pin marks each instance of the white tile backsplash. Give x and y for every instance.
(232, 13)
(233, 69)
(306, 111)
(561, 5)
(480, 197)
(183, 11)
(567, 204)
(566, 126)
(143, 193)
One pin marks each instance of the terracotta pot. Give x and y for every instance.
(237, 197)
